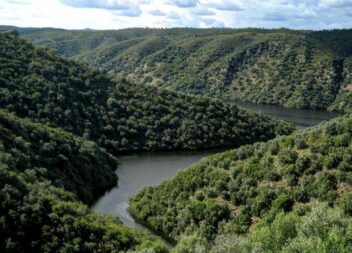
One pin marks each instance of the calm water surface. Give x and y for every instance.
(301, 118)
(140, 170)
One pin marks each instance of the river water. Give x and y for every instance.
(139, 170)
(302, 118)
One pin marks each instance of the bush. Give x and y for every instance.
(332, 160)
(199, 195)
(300, 143)
(325, 186)
(283, 202)
(302, 164)
(288, 156)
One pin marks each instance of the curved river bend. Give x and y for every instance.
(139, 170)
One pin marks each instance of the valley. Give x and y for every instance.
(219, 140)
(292, 68)
(140, 170)
(250, 197)
(70, 123)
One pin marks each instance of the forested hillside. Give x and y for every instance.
(60, 123)
(291, 194)
(118, 115)
(78, 166)
(36, 213)
(301, 69)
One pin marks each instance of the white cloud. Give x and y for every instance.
(226, 5)
(202, 11)
(184, 3)
(131, 12)
(157, 13)
(114, 14)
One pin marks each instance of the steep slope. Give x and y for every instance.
(122, 117)
(36, 213)
(301, 69)
(45, 169)
(241, 192)
(79, 166)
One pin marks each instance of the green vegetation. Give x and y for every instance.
(301, 69)
(60, 123)
(119, 116)
(78, 166)
(291, 194)
(36, 213)
(309, 229)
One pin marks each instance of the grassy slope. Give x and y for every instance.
(229, 193)
(300, 69)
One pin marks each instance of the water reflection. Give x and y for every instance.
(137, 171)
(300, 117)
(140, 170)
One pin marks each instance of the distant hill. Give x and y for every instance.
(60, 123)
(301, 69)
(122, 117)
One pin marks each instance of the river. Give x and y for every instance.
(139, 170)
(302, 118)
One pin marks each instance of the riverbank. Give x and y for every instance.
(171, 242)
(138, 170)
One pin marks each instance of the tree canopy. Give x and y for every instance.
(300, 69)
(267, 196)
(120, 116)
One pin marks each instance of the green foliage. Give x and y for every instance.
(259, 185)
(323, 229)
(44, 167)
(302, 69)
(35, 216)
(119, 116)
(258, 198)
(77, 165)
(288, 156)
(36, 213)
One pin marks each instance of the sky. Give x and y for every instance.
(116, 14)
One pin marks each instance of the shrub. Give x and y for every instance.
(288, 156)
(302, 164)
(300, 143)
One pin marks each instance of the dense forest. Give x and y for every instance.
(61, 126)
(63, 122)
(118, 115)
(78, 166)
(300, 69)
(42, 170)
(291, 194)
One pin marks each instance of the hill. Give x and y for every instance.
(300, 69)
(43, 174)
(75, 164)
(291, 194)
(60, 123)
(37, 83)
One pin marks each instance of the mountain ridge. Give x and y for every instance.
(60, 125)
(292, 68)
